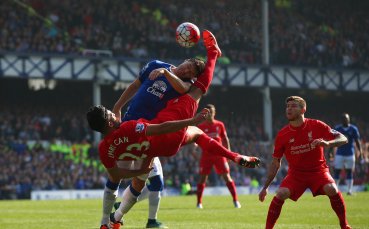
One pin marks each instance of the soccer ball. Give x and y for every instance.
(187, 34)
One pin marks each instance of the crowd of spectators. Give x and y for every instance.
(332, 33)
(30, 166)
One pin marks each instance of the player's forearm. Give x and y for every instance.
(338, 141)
(358, 146)
(180, 86)
(126, 95)
(272, 172)
(169, 127)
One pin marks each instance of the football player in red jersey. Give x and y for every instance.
(302, 143)
(216, 130)
(127, 149)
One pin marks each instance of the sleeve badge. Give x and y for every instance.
(140, 127)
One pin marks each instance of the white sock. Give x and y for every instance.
(350, 183)
(154, 201)
(108, 202)
(128, 200)
(144, 194)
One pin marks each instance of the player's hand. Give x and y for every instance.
(262, 194)
(202, 116)
(319, 142)
(156, 73)
(118, 113)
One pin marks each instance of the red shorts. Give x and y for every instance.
(207, 162)
(298, 182)
(180, 108)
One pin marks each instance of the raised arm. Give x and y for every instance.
(178, 85)
(272, 172)
(125, 97)
(174, 126)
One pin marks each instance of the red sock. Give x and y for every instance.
(274, 212)
(210, 145)
(204, 80)
(200, 191)
(339, 207)
(232, 189)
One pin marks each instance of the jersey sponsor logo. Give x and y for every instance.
(212, 134)
(300, 149)
(158, 88)
(139, 127)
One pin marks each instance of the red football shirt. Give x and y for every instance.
(215, 130)
(129, 142)
(295, 144)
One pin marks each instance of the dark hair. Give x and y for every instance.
(199, 65)
(97, 118)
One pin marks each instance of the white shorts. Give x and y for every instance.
(157, 170)
(347, 162)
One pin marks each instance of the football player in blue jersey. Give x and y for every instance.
(345, 155)
(148, 97)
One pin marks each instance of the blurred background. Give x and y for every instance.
(57, 58)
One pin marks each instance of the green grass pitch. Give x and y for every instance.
(180, 212)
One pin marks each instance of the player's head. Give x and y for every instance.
(211, 107)
(101, 119)
(295, 108)
(190, 68)
(345, 119)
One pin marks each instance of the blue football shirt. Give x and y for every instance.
(352, 133)
(152, 96)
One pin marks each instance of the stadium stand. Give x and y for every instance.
(302, 33)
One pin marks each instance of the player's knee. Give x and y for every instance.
(283, 193)
(137, 184)
(194, 133)
(330, 189)
(227, 177)
(156, 183)
(348, 173)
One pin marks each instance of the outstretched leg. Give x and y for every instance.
(204, 80)
(206, 143)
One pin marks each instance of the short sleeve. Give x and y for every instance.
(356, 133)
(147, 69)
(279, 148)
(327, 132)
